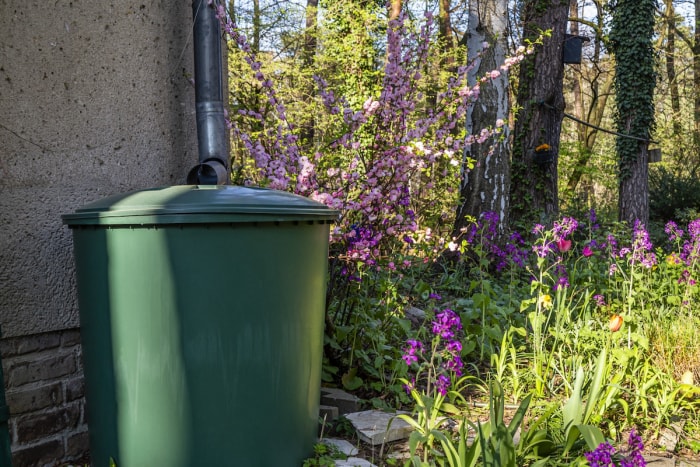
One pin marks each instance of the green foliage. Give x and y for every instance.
(324, 456)
(635, 75)
(673, 195)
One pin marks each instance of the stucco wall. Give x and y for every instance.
(94, 100)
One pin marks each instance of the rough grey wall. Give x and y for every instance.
(94, 100)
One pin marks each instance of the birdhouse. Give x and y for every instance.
(654, 155)
(572, 48)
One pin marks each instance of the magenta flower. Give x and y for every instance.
(411, 355)
(446, 323)
(587, 251)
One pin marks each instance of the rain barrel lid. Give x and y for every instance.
(199, 204)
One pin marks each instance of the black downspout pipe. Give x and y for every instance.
(212, 134)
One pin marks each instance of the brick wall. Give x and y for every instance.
(45, 393)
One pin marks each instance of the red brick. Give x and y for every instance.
(32, 399)
(23, 371)
(37, 426)
(43, 453)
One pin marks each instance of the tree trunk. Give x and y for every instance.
(310, 33)
(631, 36)
(394, 9)
(486, 186)
(308, 124)
(583, 154)
(445, 38)
(257, 25)
(671, 67)
(597, 103)
(540, 101)
(634, 190)
(696, 78)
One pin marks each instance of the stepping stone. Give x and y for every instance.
(655, 461)
(415, 315)
(328, 413)
(373, 426)
(345, 401)
(342, 445)
(354, 462)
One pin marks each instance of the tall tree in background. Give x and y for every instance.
(308, 52)
(540, 104)
(670, 53)
(445, 36)
(595, 81)
(394, 8)
(486, 186)
(635, 80)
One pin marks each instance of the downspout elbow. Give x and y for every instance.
(212, 133)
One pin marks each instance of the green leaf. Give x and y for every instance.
(592, 435)
(598, 378)
(351, 381)
(519, 415)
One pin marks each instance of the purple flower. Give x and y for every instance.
(542, 250)
(564, 228)
(636, 448)
(454, 364)
(410, 386)
(642, 246)
(412, 351)
(592, 219)
(605, 455)
(442, 382)
(599, 300)
(694, 229)
(612, 245)
(446, 323)
(673, 232)
(601, 456)
(454, 347)
(563, 281)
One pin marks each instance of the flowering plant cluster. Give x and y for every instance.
(482, 237)
(444, 362)
(605, 454)
(399, 154)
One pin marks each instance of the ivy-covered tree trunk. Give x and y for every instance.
(540, 103)
(486, 186)
(635, 80)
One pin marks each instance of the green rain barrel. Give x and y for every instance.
(202, 311)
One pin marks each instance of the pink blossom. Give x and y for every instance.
(563, 245)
